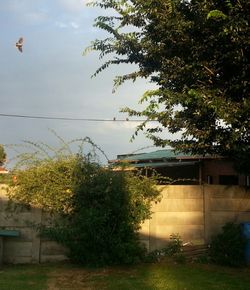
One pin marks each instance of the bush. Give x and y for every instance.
(227, 248)
(174, 246)
(107, 210)
(46, 184)
(5, 178)
(98, 211)
(173, 249)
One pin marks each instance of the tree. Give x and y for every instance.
(2, 155)
(197, 53)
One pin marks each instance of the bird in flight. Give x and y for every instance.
(19, 44)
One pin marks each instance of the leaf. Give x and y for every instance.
(216, 14)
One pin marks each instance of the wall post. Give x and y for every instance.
(36, 239)
(207, 213)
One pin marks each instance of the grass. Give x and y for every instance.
(147, 277)
(23, 278)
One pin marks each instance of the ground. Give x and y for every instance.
(160, 276)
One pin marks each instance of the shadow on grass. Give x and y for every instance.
(160, 276)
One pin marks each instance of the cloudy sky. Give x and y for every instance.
(52, 78)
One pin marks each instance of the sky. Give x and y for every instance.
(52, 78)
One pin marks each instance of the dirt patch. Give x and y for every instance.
(82, 279)
(75, 279)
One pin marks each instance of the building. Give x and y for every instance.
(182, 168)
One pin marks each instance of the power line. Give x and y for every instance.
(72, 119)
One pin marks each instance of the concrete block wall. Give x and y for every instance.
(180, 211)
(226, 203)
(29, 247)
(195, 212)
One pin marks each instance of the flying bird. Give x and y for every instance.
(19, 44)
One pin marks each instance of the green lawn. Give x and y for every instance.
(147, 277)
(24, 277)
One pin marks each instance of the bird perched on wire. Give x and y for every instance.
(19, 44)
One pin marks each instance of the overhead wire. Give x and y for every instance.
(73, 119)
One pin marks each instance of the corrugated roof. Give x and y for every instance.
(159, 154)
(163, 164)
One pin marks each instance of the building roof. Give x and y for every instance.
(163, 164)
(155, 156)
(159, 158)
(159, 154)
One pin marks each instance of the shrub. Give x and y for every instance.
(173, 249)
(98, 211)
(107, 210)
(46, 184)
(174, 246)
(227, 248)
(5, 178)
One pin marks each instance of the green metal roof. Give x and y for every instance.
(159, 154)
(163, 164)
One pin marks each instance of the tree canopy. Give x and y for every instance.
(197, 54)
(2, 155)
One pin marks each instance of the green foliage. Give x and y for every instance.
(5, 178)
(173, 249)
(43, 175)
(197, 55)
(174, 246)
(216, 14)
(48, 184)
(107, 209)
(227, 248)
(2, 155)
(97, 211)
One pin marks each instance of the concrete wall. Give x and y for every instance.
(195, 212)
(29, 247)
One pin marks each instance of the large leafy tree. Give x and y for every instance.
(197, 53)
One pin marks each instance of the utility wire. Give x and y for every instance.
(72, 119)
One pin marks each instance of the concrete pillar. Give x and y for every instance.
(152, 233)
(207, 213)
(36, 240)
